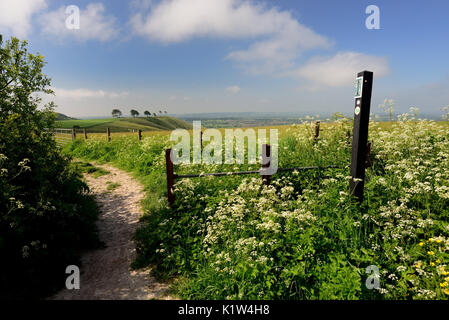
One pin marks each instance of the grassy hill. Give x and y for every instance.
(126, 124)
(61, 116)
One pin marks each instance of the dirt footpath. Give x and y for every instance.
(106, 273)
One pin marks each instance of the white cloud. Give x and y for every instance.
(279, 38)
(15, 16)
(233, 89)
(94, 24)
(86, 93)
(341, 69)
(140, 4)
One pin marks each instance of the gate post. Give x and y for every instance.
(140, 134)
(170, 177)
(348, 137)
(317, 130)
(266, 162)
(364, 85)
(85, 133)
(73, 134)
(108, 132)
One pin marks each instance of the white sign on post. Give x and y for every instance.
(358, 87)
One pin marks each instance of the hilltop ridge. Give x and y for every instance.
(126, 124)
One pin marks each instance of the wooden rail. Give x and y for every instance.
(266, 179)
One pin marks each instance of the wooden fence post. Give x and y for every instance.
(317, 129)
(85, 133)
(266, 161)
(348, 137)
(108, 131)
(364, 86)
(139, 134)
(73, 134)
(201, 140)
(170, 177)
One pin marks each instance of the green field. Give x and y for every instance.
(125, 124)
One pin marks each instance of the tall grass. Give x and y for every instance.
(302, 237)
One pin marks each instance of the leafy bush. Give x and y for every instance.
(46, 214)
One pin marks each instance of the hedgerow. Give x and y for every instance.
(46, 213)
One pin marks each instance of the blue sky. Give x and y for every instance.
(189, 56)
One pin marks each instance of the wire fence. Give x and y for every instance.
(62, 136)
(266, 176)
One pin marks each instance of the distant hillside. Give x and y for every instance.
(61, 116)
(126, 124)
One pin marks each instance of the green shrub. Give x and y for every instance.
(46, 213)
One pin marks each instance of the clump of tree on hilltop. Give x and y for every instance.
(116, 113)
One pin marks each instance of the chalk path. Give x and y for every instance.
(106, 273)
